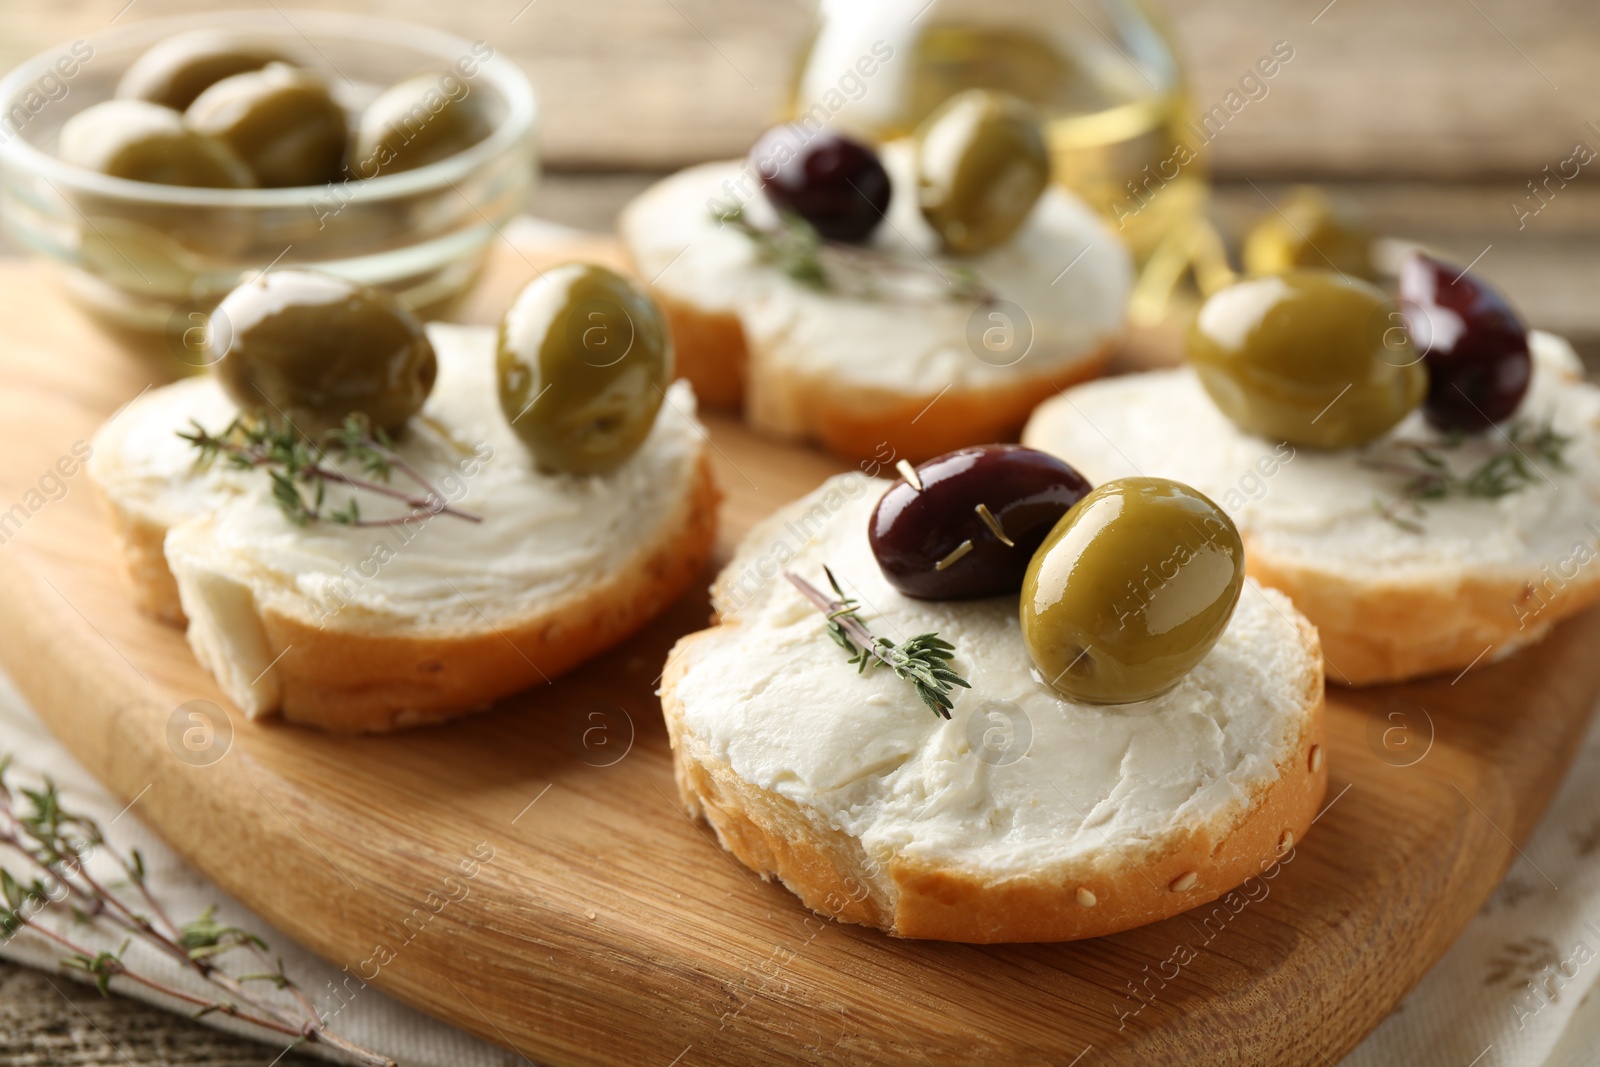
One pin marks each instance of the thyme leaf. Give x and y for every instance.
(923, 660)
(301, 471)
(1429, 475)
(53, 844)
(796, 249)
(793, 246)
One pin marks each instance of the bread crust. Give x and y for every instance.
(348, 680)
(708, 349)
(832, 874)
(852, 423)
(140, 543)
(1379, 632)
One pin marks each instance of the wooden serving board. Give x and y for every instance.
(606, 928)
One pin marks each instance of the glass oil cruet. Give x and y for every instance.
(1104, 78)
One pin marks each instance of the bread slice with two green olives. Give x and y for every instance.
(455, 554)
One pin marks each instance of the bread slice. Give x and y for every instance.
(854, 372)
(1024, 817)
(370, 629)
(1464, 580)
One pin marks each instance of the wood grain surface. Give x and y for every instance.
(601, 926)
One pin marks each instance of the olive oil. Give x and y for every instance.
(1124, 162)
(1101, 77)
(1115, 139)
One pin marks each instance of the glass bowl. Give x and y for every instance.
(157, 258)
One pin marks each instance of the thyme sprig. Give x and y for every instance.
(796, 248)
(793, 246)
(302, 470)
(1429, 475)
(922, 660)
(55, 844)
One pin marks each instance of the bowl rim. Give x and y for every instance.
(520, 122)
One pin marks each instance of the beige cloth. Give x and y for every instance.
(368, 1018)
(1521, 987)
(1517, 990)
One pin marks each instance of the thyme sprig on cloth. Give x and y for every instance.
(55, 844)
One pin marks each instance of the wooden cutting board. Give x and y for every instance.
(600, 926)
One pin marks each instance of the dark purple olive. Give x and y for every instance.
(832, 182)
(968, 522)
(1474, 345)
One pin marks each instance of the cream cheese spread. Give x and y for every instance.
(1019, 777)
(1066, 271)
(1323, 508)
(543, 537)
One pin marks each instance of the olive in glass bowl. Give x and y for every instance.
(145, 142)
(282, 121)
(152, 260)
(419, 121)
(185, 65)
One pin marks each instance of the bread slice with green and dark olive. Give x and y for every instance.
(1422, 479)
(1079, 758)
(406, 524)
(927, 294)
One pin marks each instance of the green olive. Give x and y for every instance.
(148, 143)
(182, 67)
(1130, 590)
(1310, 229)
(1307, 357)
(419, 121)
(314, 349)
(280, 120)
(982, 164)
(584, 357)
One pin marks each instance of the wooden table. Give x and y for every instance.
(1435, 89)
